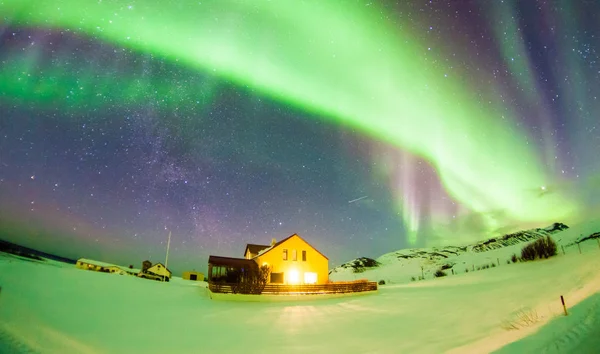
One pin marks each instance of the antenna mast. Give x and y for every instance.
(167, 259)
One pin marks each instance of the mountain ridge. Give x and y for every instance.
(437, 254)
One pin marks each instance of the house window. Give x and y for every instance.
(277, 278)
(303, 256)
(294, 255)
(310, 278)
(285, 255)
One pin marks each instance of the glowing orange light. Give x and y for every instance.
(293, 277)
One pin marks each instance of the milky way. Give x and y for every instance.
(236, 122)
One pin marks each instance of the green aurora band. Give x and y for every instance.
(23, 78)
(343, 62)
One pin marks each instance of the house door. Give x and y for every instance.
(193, 277)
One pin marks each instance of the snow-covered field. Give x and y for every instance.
(53, 307)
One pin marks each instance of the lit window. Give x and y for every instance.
(303, 256)
(310, 278)
(294, 255)
(293, 277)
(285, 254)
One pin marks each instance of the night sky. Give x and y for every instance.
(363, 126)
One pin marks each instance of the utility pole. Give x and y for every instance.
(167, 259)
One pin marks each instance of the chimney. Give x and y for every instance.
(146, 265)
(273, 241)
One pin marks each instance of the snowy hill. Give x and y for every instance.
(357, 265)
(401, 266)
(518, 237)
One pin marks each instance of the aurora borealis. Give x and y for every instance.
(232, 122)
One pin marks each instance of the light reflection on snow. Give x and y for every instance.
(293, 318)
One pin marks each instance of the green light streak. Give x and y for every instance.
(512, 46)
(340, 60)
(573, 71)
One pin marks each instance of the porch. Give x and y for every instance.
(302, 289)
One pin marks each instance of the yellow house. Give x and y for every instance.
(291, 260)
(294, 261)
(160, 270)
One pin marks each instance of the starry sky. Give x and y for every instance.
(363, 126)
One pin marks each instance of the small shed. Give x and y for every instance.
(193, 275)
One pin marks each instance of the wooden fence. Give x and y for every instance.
(315, 289)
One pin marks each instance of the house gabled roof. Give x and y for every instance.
(254, 249)
(287, 238)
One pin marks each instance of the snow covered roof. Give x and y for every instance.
(96, 263)
(263, 251)
(130, 270)
(255, 249)
(107, 265)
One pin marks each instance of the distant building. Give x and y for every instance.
(193, 275)
(89, 264)
(157, 272)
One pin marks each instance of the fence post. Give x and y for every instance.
(473, 267)
(498, 259)
(563, 249)
(452, 271)
(579, 246)
(422, 274)
(598, 239)
(562, 299)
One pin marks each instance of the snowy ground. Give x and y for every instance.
(56, 308)
(579, 332)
